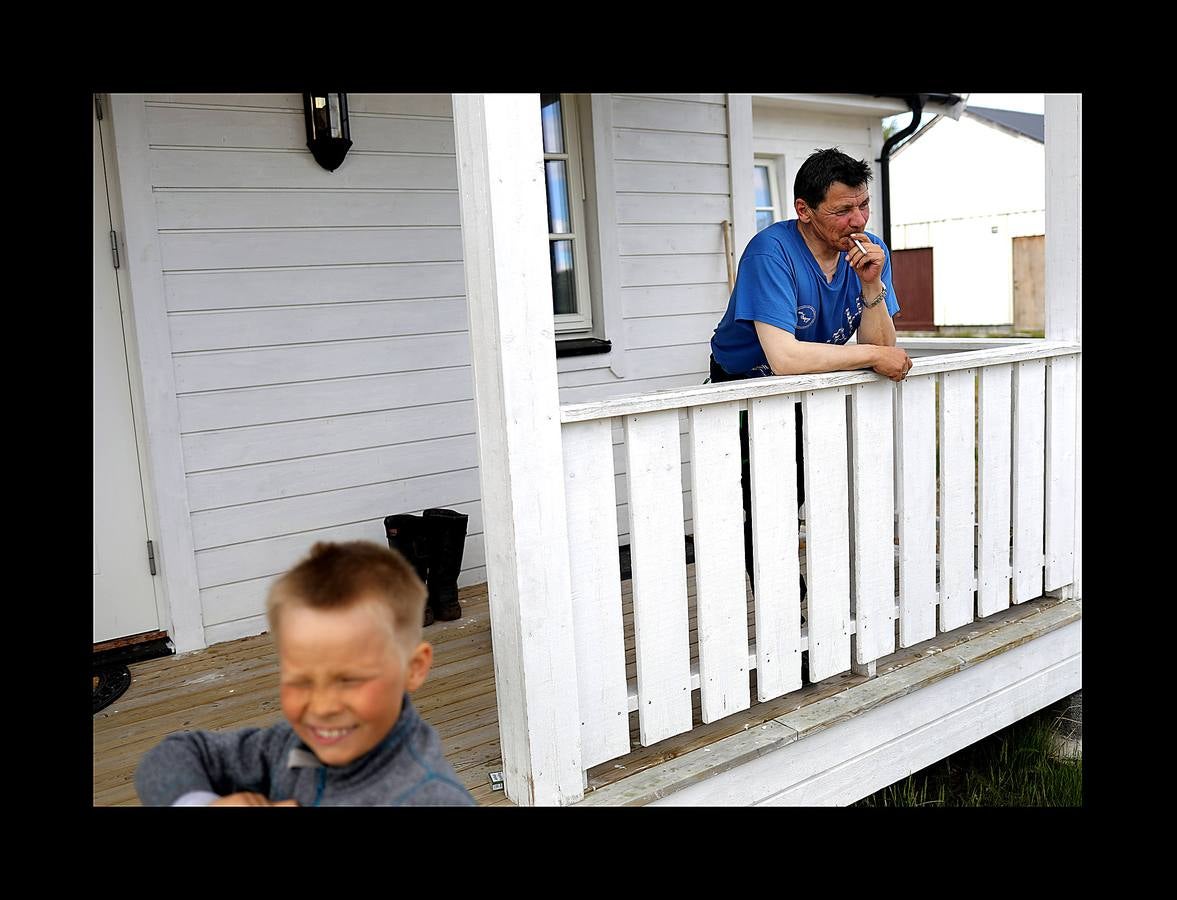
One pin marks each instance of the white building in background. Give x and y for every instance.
(967, 189)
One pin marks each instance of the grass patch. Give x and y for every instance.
(1012, 767)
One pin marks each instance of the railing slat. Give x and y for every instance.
(993, 465)
(1061, 411)
(874, 520)
(596, 591)
(659, 572)
(776, 596)
(957, 497)
(721, 601)
(1029, 472)
(915, 442)
(827, 527)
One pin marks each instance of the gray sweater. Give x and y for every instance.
(407, 768)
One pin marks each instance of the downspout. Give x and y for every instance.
(916, 103)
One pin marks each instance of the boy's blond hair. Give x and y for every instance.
(338, 575)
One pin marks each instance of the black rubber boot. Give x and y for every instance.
(447, 541)
(409, 536)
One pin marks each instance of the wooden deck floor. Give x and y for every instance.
(235, 684)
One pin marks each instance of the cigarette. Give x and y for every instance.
(861, 249)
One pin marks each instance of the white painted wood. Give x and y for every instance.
(1028, 473)
(873, 503)
(308, 247)
(1062, 441)
(594, 568)
(220, 369)
(721, 601)
(854, 758)
(659, 576)
(673, 178)
(762, 387)
(673, 269)
(995, 442)
(669, 115)
(175, 556)
(425, 105)
(604, 183)
(289, 287)
(203, 208)
(227, 169)
(739, 127)
(288, 440)
(958, 486)
(504, 228)
(637, 240)
(915, 458)
(669, 331)
(662, 146)
(670, 209)
(776, 599)
(827, 550)
(242, 329)
(311, 399)
(124, 600)
(664, 300)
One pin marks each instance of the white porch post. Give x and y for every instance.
(509, 291)
(1064, 262)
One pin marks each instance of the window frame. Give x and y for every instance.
(778, 212)
(580, 323)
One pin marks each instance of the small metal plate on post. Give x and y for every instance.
(496, 781)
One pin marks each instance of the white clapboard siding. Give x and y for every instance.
(289, 440)
(669, 115)
(721, 601)
(237, 329)
(636, 240)
(994, 426)
(772, 461)
(218, 527)
(957, 497)
(673, 269)
(1029, 472)
(671, 209)
(178, 208)
(287, 287)
(329, 471)
(314, 399)
(661, 146)
(1061, 413)
(873, 502)
(403, 104)
(659, 576)
(827, 550)
(672, 178)
(197, 250)
(286, 130)
(594, 568)
(915, 460)
(669, 331)
(224, 169)
(673, 300)
(221, 369)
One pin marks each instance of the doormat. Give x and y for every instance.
(110, 683)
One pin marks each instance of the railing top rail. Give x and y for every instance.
(682, 398)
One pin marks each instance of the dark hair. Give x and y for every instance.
(822, 169)
(336, 576)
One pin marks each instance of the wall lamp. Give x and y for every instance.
(328, 132)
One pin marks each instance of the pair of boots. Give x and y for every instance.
(433, 543)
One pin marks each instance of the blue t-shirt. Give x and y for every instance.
(780, 283)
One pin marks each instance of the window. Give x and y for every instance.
(767, 195)
(567, 222)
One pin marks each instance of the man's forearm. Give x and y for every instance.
(809, 358)
(876, 326)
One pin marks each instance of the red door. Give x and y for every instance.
(911, 275)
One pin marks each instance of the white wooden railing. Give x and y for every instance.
(968, 465)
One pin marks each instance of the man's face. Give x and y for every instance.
(343, 677)
(843, 212)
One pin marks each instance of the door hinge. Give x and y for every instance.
(114, 247)
(98, 108)
(151, 556)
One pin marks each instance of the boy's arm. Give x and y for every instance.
(204, 763)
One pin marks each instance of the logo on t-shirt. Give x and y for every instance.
(806, 316)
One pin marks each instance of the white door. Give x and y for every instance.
(124, 590)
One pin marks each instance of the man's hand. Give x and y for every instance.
(868, 262)
(248, 798)
(892, 362)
